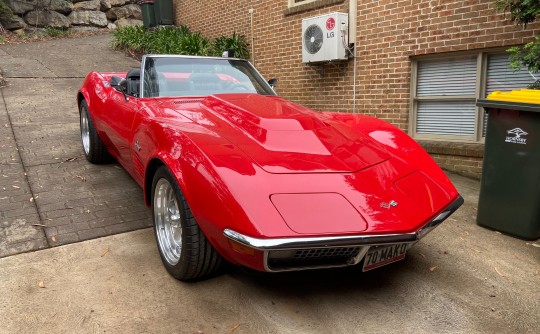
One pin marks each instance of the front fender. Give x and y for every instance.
(206, 193)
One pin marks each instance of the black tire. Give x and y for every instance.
(93, 148)
(197, 258)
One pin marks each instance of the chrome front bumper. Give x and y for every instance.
(359, 244)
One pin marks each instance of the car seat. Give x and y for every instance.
(133, 78)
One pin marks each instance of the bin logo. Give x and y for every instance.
(517, 132)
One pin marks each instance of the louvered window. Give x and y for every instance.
(501, 77)
(445, 93)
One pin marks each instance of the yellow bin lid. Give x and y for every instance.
(519, 96)
(522, 99)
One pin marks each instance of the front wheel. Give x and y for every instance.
(94, 149)
(184, 249)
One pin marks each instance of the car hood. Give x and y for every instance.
(284, 137)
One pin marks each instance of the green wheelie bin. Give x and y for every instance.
(510, 189)
(163, 10)
(148, 13)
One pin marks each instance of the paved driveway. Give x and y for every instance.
(460, 279)
(49, 194)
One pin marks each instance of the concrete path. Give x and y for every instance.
(49, 194)
(460, 279)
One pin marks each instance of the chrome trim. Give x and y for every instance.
(141, 78)
(143, 63)
(317, 242)
(187, 56)
(364, 241)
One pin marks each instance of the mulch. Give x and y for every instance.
(39, 35)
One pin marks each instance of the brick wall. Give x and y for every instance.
(389, 32)
(463, 165)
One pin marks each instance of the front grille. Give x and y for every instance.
(325, 252)
(311, 258)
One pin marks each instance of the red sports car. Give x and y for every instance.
(232, 171)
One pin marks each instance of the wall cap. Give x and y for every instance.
(451, 148)
(311, 5)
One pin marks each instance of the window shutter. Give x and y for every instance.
(455, 76)
(503, 78)
(446, 117)
(451, 79)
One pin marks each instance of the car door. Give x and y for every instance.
(119, 120)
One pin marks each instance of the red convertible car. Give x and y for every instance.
(234, 172)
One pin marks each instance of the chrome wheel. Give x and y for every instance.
(186, 253)
(167, 219)
(85, 132)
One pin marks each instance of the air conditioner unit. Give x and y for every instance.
(324, 38)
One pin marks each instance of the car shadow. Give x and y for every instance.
(336, 280)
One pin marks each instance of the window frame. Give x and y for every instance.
(293, 3)
(480, 91)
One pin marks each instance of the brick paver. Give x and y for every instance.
(49, 194)
(20, 229)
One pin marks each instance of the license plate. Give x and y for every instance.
(382, 255)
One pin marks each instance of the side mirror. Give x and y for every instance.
(229, 53)
(118, 83)
(272, 82)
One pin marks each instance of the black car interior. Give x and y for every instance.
(133, 78)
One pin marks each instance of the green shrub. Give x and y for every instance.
(194, 44)
(135, 38)
(5, 13)
(176, 40)
(534, 85)
(56, 32)
(4, 9)
(235, 42)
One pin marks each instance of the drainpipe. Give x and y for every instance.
(251, 11)
(353, 12)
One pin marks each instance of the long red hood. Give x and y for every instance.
(284, 137)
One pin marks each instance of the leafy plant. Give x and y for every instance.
(528, 55)
(523, 12)
(169, 40)
(176, 40)
(195, 44)
(4, 9)
(236, 42)
(56, 32)
(534, 85)
(135, 38)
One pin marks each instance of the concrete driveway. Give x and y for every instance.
(460, 279)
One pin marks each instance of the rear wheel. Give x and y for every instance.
(94, 149)
(184, 249)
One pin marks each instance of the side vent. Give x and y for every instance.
(186, 101)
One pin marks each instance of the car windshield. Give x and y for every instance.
(185, 76)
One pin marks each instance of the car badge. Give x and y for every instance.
(137, 145)
(392, 203)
